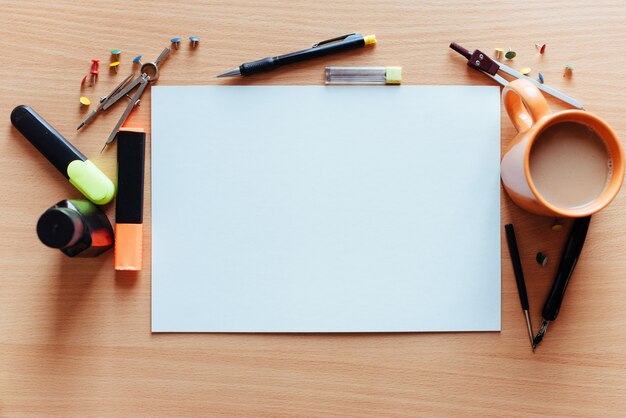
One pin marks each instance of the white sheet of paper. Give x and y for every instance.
(325, 209)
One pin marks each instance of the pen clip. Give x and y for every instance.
(327, 41)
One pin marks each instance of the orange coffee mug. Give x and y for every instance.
(531, 116)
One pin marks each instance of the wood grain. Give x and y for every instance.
(75, 337)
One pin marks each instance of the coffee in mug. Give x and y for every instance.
(565, 164)
(569, 165)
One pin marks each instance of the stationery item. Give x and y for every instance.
(519, 278)
(478, 60)
(194, 40)
(354, 224)
(573, 248)
(76, 227)
(510, 54)
(104, 100)
(70, 162)
(329, 46)
(568, 70)
(131, 145)
(541, 48)
(363, 75)
(564, 164)
(95, 65)
(149, 74)
(542, 259)
(175, 42)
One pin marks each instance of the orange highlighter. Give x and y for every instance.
(131, 150)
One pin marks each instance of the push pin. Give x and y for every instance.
(116, 54)
(137, 60)
(542, 259)
(510, 54)
(84, 101)
(194, 41)
(540, 77)
(95, 65)
(525, 70)
(498, 52)
(176, 42)
(541, 48)
(557, 225)
(567, 71)
(114, 65)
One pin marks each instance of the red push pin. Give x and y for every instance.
(95, 64)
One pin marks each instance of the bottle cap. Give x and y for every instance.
(59, 227)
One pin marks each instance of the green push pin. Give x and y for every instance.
(116, 54)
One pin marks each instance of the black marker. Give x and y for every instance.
(70, 162)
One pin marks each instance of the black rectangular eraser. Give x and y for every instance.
(131, 153)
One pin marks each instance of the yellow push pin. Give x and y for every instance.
(557, 225)
(525, 71)
(84, 101)
(114, 65)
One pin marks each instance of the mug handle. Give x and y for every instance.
(524, 104)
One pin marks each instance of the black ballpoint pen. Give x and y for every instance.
(519, 278)
(329, 46)
(573, 247)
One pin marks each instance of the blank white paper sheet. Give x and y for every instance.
(325, 209)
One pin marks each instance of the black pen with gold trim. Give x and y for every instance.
(519, 278)
(329, 46)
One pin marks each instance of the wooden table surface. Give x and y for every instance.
(75, 336)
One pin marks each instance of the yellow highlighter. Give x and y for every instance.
(70, 162)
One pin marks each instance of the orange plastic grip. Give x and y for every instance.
(128, 246)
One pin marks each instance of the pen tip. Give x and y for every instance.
(230, 73)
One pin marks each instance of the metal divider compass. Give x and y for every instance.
(149, 73)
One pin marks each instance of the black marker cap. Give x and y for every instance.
(60, 227)
(131, 146)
